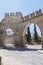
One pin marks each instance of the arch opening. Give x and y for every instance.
(30, 31)
(9, 32)
(9, 38)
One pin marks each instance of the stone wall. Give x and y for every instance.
(18, 24)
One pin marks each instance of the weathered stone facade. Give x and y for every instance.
(18, 24)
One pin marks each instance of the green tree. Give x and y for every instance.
(35, 34)
(28, 35)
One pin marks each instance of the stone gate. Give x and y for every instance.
(18, 24)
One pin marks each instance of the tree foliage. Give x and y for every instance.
(28, 35)
(35, 34)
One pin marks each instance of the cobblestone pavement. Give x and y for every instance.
(22, 56)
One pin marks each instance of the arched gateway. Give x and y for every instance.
(18, 24)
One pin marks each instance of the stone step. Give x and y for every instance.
(9, 45)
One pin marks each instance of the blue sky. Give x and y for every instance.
(25, 6)
(37, 29)
(32, 30)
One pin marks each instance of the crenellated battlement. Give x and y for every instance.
(33, 15)
(27, 17)
(13, 14)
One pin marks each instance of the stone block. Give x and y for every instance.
(11, 14)
(18, 13)
(26, 18)
(32, 15)
(39, 12)
(6, 14)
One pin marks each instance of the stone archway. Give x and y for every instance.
(37, 20)
(9, 38)
(18, 23)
